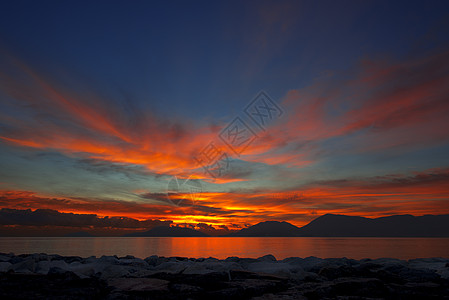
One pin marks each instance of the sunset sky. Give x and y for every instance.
(102, 104)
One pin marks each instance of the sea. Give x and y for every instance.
(223, 247)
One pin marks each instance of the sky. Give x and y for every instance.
(118, 116)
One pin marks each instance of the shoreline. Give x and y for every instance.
(111, 277)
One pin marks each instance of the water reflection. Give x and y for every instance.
(357, 248)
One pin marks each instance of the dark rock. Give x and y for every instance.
(178, 258)
(153, 260)
(25, 266)
(185, 288)
(337, 272)
(268, 257)
(23, 286)
(16, 259)
(56, 272)
(110, 277)
(232, 259)
(70, 259)
(139, 284)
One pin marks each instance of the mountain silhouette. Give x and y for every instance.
(269, 229)
(331, 225)
(166, 231)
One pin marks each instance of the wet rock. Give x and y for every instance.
(113, 260)
(16, 259)
(170, 267)
(5, 266)
(268, 257)
(24, 266)
(309, 264)
(185, 288)
(209, 278)
(210, 267)
(153, 260)
(444, 274)
(179, 258)
(245, 262)
(333, 272)
(43, 267)
(82, 270)
(280, 269)
(135, 262)
(61, 273)
(4, 258)
(115, 271)
(345, 287)
(56, 286)
(139, 284)
(232, 259)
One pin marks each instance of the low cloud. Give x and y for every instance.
(49, 217)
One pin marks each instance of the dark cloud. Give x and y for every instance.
(49, 217)
(435, 176)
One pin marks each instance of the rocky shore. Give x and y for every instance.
(42, 276)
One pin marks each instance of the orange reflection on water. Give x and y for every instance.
(223, 247)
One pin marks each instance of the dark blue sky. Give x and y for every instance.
(207, 57)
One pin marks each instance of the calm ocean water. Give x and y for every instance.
(357, 248)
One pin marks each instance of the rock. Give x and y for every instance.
(82, 270)
(308, 264)
(4, 258)
(25, 266)
(343, 288)
(170, 267)
(16, 259)
(245, 262)
(115, 271)
(279, 269)
(179, 258)
(153, 260)
(70, 259)
(436, 264)
(135, 262)
(59, 271)
(333, 272)
(113, 260)
(43, 267)
(416, 275)
(37, 257)
(268, 257)
(185, 288)
(139, 284)
(257, 287)
(5, 266)
(210, 267)
(209, 278)
(55, 257)
(444, 274)
(211, 259)
(232, 259)
(90, 259)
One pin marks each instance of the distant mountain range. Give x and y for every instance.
(329, 225)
